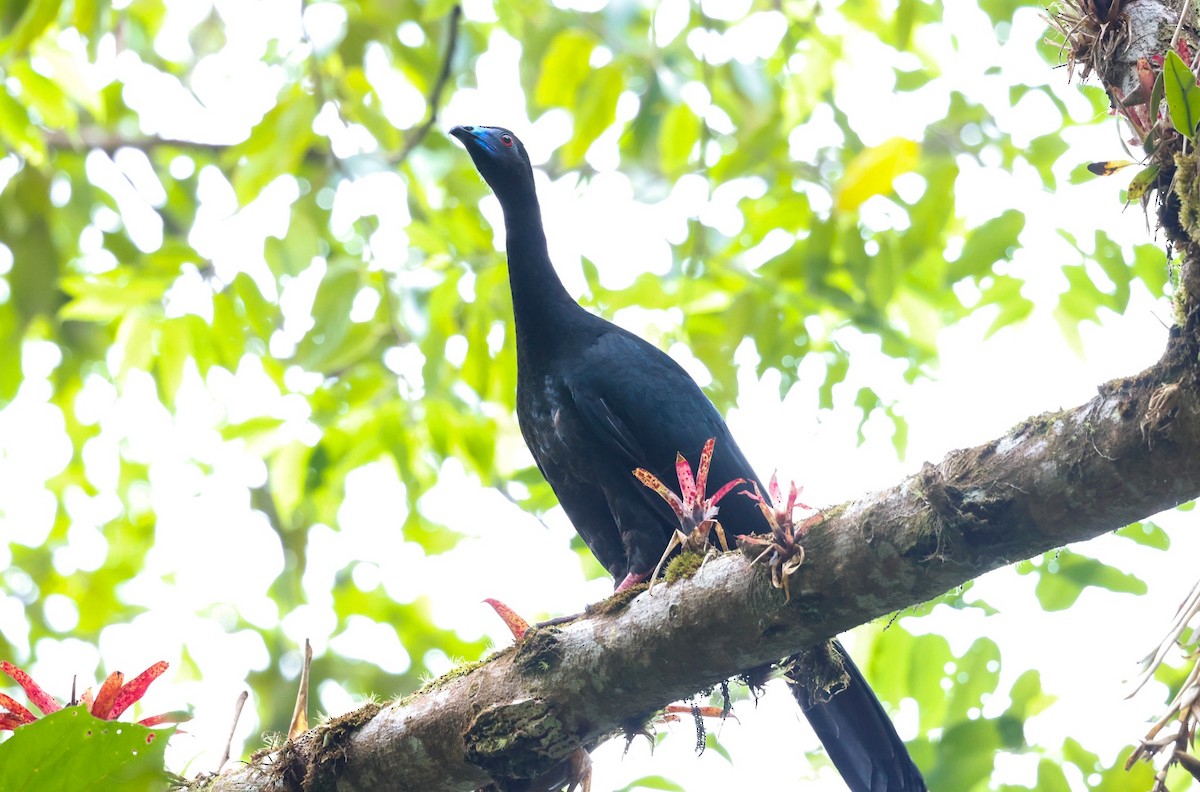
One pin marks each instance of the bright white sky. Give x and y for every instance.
(212, 548)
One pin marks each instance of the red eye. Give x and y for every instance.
(507, 140)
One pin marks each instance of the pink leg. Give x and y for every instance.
(631, 580)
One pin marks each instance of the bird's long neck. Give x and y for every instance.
(540, 301)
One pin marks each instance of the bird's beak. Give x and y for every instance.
(467, 135)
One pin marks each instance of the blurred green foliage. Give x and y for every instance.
(79, 278)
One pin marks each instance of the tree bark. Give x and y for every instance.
(1056, 478)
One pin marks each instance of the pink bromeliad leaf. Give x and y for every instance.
(723, 491)
(691, 507)
(15, 711)
(705, 462)
(652, 482)
(175, 716)
(113, 698)
(9, 722)
(102, 705)
(514, 621)
(687, 485)
(134, 689)
(38, 697)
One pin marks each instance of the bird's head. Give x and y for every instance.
(500, 158)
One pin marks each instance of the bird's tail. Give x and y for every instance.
(851, 723)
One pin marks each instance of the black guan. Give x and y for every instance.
(595, 401)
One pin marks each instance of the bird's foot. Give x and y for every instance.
(675, 712)
(631, 580)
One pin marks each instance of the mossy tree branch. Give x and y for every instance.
(1057, 478)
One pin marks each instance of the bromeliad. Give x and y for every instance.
(113, 698)
(783, 551)
(697, 514)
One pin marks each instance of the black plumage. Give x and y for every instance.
(595, 401)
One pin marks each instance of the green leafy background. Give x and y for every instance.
(259, 371)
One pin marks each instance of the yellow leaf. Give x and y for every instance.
(1108, 167)
(872, 171)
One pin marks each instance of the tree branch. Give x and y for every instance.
(435, 96)
(1054, 479)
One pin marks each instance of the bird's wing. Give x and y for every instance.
(642, 404)
(608, 425)
(625, 389)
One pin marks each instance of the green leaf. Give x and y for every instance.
(276, 146)
(1050, 778)
(868, 401)
(1028, 698)
(1150, 267)
(677, 138)
(902, 27)
(651, 782)
(45, 96)
(1156, 96)
(1143, 181)
(11, 374)
(1112, 259)
(975, 675)
(965, 755)
(18, 131)
(38, 16)
(71, 750)
(1005, 292)
(1063, 579)
(134, 343)
(1042, 152)
(1147, 534)
(597, 103)
(331, 317)
(100, 298)
(564, 68)
(991, 242)
(1182, 94)
(872, 171)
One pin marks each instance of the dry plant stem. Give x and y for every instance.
(1178, 27)
(237, 715)
(299, 723)
(1189, 608)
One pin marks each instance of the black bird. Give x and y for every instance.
(595, 401)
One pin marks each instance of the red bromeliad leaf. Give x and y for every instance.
(516, 625)
(763, 506)
(15, 710)
(1146, 76)
(721, 493)
(134, 689)
(705, 461)
(687, 485)
(176, 716)
(773, 488)
(651, 481)
(38, 697)
(107, 695)
(1184, 50)
(9, 722)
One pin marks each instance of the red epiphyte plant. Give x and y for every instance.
(113, 698)
(783, 551)
(696, 512)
